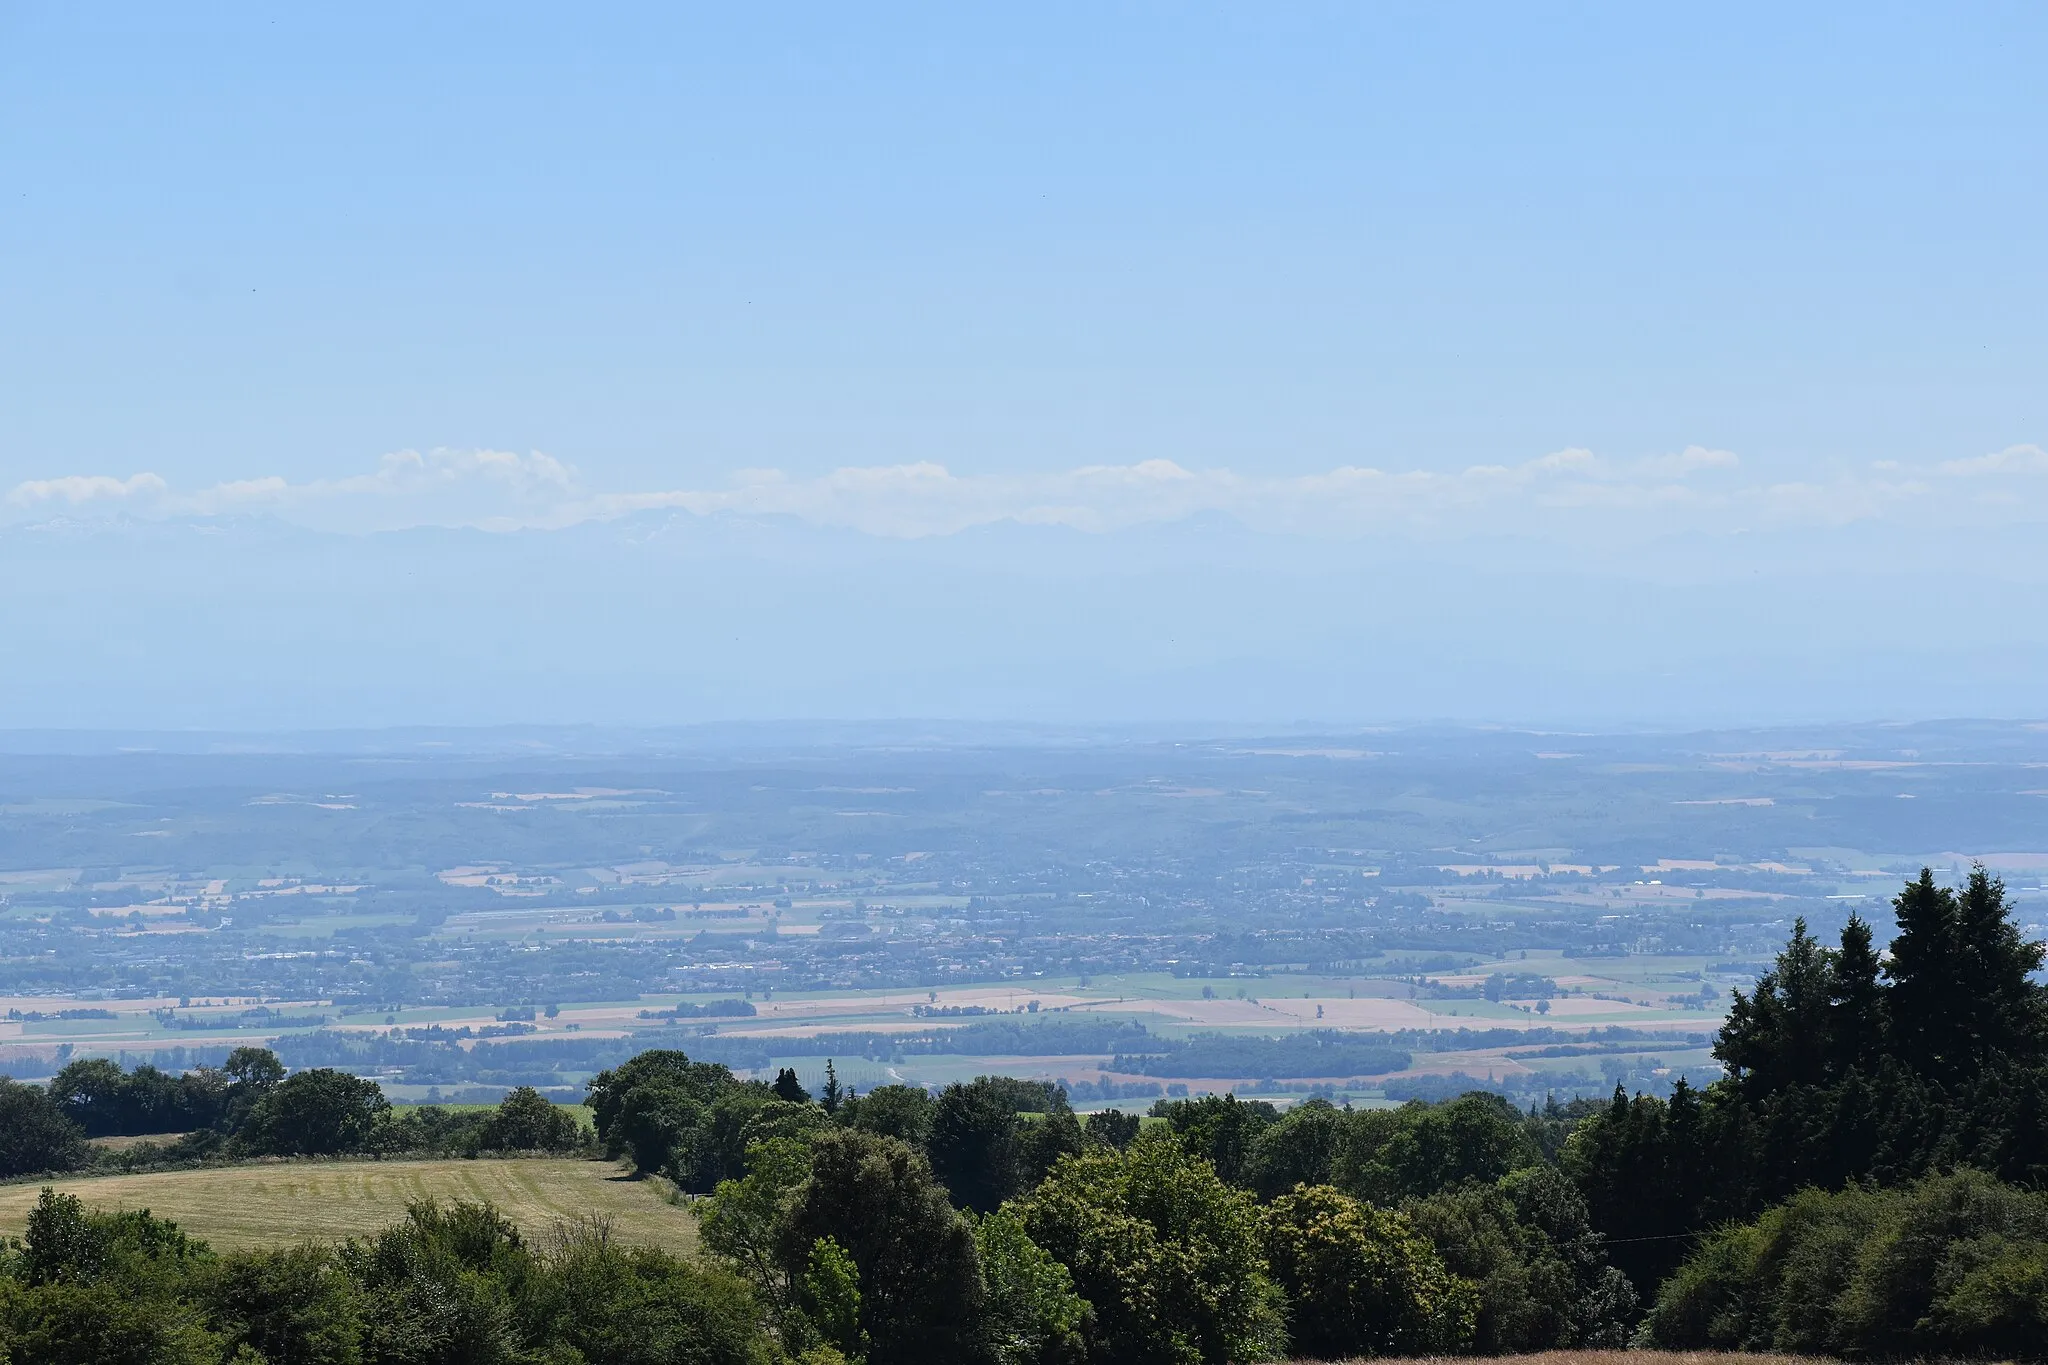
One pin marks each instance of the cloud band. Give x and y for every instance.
(1566, 491)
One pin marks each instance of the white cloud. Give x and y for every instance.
(928, 499)
(2028, 459)
(79, 489)
(1688, 461)
(489, 488)
(1566, 492)
(416, 483)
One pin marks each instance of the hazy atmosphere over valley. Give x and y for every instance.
(1042, 685)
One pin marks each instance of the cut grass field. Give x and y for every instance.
(281, 1203)
(1604, 1358)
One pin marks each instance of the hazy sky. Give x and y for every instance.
(662, 245)
(1609, 303)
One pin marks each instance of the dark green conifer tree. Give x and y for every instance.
(1855, 1003)
(1929, 995)
(2005, 1017)
(1841, 1070)
(1777, 1036)
(788, 1087)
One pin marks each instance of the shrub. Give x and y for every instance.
(1166, 1255)
(320, 1112)
(920, 1287)
(1360, 1281)
(35, 1136)
(1034, 1315)
(1953, 1265)
(1525, 1241)
(527, 1121)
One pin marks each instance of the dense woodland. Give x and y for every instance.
(1867, 1181)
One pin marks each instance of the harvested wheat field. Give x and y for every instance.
(327, 1201)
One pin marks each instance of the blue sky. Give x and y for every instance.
(1602, 303)
(662, 244)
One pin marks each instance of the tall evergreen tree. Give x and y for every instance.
(1777, 1036)
(1653, 1172)
(788, 1087)
(1973, 1054)
(1929, 1001)
(2006, 1017)
(1856, 1027)
(1842, 1069)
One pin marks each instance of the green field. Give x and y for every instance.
(326, 1201)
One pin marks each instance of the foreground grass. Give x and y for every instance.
(276, 1203)
(1606, 1358)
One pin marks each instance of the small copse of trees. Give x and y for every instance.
(250, 1107)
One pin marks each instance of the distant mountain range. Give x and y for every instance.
(671, 618)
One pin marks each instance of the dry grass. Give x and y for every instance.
(125, 1143)
(326, 1201)
(1610, 1358)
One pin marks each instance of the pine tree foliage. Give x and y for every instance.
(1843, 1067)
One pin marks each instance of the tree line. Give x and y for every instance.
(1843, 1065)
(250, 1107)
(1865, 1092)
(991, 1222)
